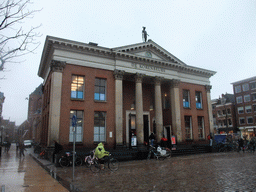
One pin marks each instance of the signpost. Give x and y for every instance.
(74, 122)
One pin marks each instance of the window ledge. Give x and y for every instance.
(74, 99)
(96, 101)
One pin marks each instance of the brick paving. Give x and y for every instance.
(230, 171)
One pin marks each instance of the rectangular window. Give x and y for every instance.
(79, 126)
(239, 99)
(254, 96)
(249, 120)
(99, 126)
(238, 89)
(186, 99)
(247, 98)
(229, 111)
(230, 122)
(245, 87)
(200, 121)
(100, 90)
(254, 108)
(240, 110)
(241, 120)
(219, 113)
(248, 109)
(188, 127)
(77, 87)
(253, 85)
(199, 100)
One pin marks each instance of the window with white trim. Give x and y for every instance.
(100, 89)
(245, 87)
(188, 127)
(200, 121)
(248, 109)
(253, 85)
(79, 126)
(186, 99)
(99, 126)
(77, 87)
(249, 120)
(199, 100)
(254, 96)
(238, 89)
(247, 98)
(240, 110)
(239, 99)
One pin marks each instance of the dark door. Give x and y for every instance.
(146, 125)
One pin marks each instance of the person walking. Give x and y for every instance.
(22, 148)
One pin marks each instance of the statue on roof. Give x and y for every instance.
(144, 34)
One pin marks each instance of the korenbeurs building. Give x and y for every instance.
(120, 95)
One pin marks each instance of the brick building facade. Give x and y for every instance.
(121, 94)
(245, 97)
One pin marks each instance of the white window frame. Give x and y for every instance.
(79, 126)
(253, 85)
(240, 110)
(246, 87)
(77, 87)
(239, 99)
(253, 96)
(190, 128)
(248, 109)
(99, 133)
(184, 99)
(200, 98)
(199, 128)
(238, 89)
(247, 98)
(102, 96)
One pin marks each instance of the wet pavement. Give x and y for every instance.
(24, 174)
(229, 171)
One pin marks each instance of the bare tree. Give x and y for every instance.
(14, 41)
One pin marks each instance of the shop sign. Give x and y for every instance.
(250, 129)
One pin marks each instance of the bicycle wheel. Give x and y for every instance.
(64, 162)
(113, 164)
(95, 167)
(88, 162)
(78, 161)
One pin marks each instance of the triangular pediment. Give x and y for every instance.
(149, 50)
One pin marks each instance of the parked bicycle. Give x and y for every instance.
(67, 160)
(109, 162)
(160, 154)
(89, 159)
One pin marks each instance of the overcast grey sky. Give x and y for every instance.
(216, 35)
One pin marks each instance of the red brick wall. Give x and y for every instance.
(193, 112)
(88, 105)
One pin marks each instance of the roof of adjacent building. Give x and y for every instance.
(245, 80)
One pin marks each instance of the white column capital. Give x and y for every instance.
(208, 88)
(139, 77)
(57, 66)
(119, 74)
(175, 83)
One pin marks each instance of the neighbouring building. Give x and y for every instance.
(224, 114)
(8, 130)
(120, 95)
(31, 128)
(245, 97)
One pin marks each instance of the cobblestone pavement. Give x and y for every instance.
(230, 171)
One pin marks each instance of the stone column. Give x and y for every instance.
(139, 108)
(118, 74)
(55, 101)
(175, 107)
(208, 92)
(158, 109)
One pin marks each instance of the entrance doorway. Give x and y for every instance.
(131, 129)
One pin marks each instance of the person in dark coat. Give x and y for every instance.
(57, 148)
(241, 144)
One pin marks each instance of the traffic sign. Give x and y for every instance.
(74, 121)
